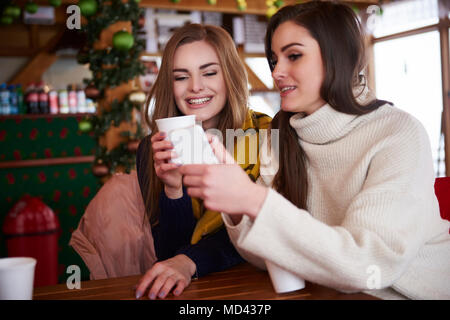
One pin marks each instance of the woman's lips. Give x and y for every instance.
(284, 91)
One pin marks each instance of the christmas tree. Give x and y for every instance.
(112, 52)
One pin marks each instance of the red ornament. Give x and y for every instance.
(141, 22)
(100, 170)
(92, 92)
(133, 145)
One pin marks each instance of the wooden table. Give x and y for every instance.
(243, 282)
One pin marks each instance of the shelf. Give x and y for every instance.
(45, 162)
(45, 115)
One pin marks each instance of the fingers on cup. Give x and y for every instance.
(195, 192)
(221, 152)
(158, 136)
(161, 146)
(164, 155)
(193, 181)
(169, 166)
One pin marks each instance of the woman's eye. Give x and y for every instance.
(294, 56)
(180, 78)
(210, 74)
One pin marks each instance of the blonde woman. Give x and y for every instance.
(201, 74)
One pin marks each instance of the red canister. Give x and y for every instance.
(31, 229)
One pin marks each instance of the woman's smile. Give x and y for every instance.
(199, 102)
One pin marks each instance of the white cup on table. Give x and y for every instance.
(17, 278)
(283, 280)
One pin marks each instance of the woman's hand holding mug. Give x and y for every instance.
(165, 170)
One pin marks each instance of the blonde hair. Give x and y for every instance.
(233, 114)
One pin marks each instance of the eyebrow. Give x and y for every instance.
(203, 66)
(290, 45)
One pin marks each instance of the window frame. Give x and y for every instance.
(442, 27)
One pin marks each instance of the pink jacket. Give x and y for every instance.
(113, 238)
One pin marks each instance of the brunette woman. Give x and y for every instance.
(350, 202)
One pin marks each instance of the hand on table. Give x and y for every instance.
(174, 273)
(166, 171)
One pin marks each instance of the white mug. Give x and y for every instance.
(189, 140)
(169, 124)
(283, 280)
(17, 278)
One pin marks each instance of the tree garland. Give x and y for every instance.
(112, 67)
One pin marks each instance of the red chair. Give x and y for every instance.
(442, 190)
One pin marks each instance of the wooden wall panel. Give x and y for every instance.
(14, 36)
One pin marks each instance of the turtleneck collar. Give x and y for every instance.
(326, 124)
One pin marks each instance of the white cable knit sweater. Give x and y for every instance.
(371, 209)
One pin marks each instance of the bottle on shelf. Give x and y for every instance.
(4, 99)
(43, 98)
(63, 101)
(72, 99)
(13, 103)
(21, 108)
(53, 101)
(91, 108)
(81, 100)
(32, 99)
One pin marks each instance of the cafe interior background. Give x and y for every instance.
(73, 85)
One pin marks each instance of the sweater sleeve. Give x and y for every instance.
(235, 232)
(142, 155)
(176, 221)
(384, 227)
(176, 224)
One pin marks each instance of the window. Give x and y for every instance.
(408, 65)
(408, 73)
(405, 15)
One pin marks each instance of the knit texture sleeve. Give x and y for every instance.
(235, 232)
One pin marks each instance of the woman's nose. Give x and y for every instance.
(197, 84)
(278, 72)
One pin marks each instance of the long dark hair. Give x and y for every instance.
(338, 32)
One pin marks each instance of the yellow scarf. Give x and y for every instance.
(208, 220)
